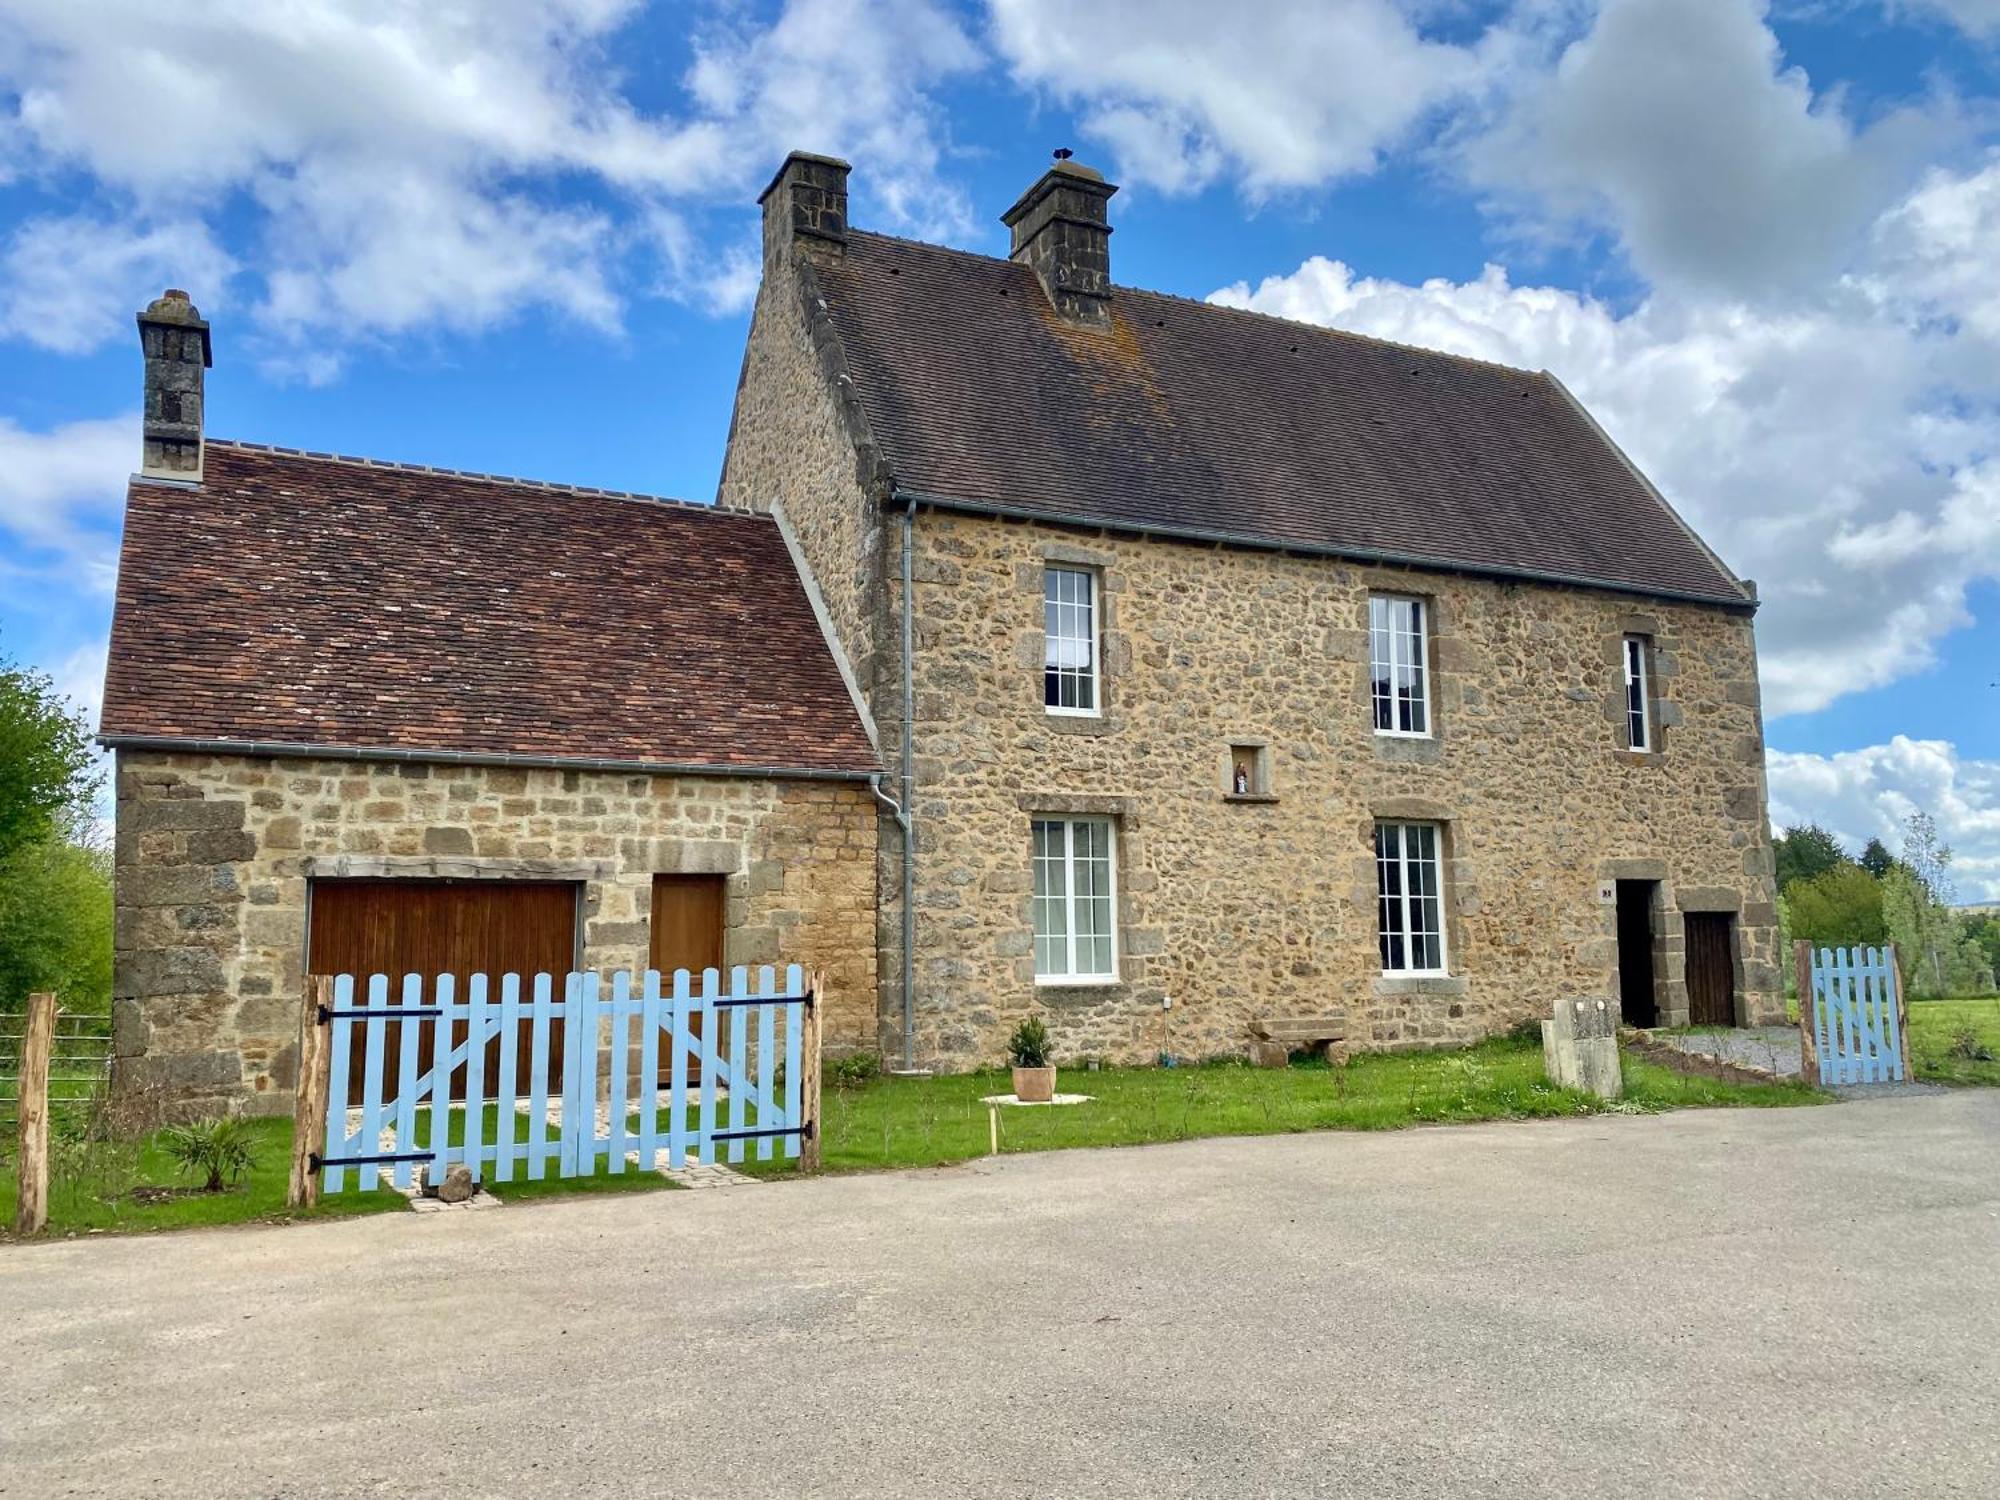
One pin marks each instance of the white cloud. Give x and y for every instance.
(61, 493)
(73, 283)
(1974, 17)
(1678, 125)
(1812, 445)
(1282, 95)
(445, 165)
(1864, 794)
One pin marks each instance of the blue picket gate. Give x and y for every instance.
(654, 1069)
(1851, 1016)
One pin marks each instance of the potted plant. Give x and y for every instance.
(1034, 1074)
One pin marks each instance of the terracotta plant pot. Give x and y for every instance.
(1034, 1085)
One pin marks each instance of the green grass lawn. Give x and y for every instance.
(1948, 1036)
(92, 1189)
(903, 1122)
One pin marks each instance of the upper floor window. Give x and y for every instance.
(1397, 665)
(1638, 706)
(1075, 901)
(1409, 885)
(1069, 623)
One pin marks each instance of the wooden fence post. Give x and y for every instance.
(309, 1104)
(809, 1143)
(1902, 1013)
(1808, 1036)
(31, 1207)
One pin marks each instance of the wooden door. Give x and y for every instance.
(456, 927)
(688, 916)
(1711, 968)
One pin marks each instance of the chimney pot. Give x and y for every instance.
(1061, 228)
(174, 338)
(805, 210)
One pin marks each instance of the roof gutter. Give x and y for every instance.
(300, 750)
(1744, 605)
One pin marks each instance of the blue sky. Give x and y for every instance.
(520, 237)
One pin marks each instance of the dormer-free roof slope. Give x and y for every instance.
(1186, 418)
(290, 600)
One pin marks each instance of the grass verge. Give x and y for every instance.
(1956, 1041)
(907, 1122)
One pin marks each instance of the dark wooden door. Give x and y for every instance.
(1636, 1003)
(1711, 968)
(688, 916)
(456, 927)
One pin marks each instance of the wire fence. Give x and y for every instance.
(79, 1064)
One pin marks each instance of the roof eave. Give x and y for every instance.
(1741, 604)
(295, 749)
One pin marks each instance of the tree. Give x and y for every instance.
(1807, 851)
(1841, 908)
(1876, 859)
(47, 781)
(1928, 860)
(55, 894)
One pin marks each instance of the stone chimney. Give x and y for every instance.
(805, 210)
(1062, 229)
(175, 339)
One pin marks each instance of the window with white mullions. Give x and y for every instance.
(1638, 707)
(1074, 902)
(1410, 891)
(1069, 626)
(1399, 681)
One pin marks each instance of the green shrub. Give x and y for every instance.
(1029, 1046)
(218, 1151)
(856, 1070)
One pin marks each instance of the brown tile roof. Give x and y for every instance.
(308, 600)
(1189, 417)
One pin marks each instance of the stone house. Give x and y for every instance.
(1054, 647)
(376, 718)
(1234, 668)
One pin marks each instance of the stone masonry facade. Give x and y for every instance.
(215, 856)
(1240, 908)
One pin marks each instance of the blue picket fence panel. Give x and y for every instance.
(656, 1070)
(1856, 1015)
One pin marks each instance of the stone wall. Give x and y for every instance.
(1235, 908)
(214, 855)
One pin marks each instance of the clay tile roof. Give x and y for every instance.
(1194, 418)
(302, 599)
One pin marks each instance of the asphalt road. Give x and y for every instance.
(1793, 1302)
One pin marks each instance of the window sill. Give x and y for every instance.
(1419, 984)
(1078, 982)
(1249, 796)
(1075, 723)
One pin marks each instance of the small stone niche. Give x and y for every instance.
(1247, 773)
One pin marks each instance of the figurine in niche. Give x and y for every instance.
(1242, 779)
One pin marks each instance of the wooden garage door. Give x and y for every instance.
(1711, 968)
(431, 927)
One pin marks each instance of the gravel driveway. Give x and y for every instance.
(1715, 1303)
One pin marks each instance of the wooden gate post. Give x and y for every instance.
(1808, 1035)
(1902, 1013)
(809, 1143)
(31, 1207)
(309, 1105)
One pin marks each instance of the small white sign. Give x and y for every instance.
(1607, 891)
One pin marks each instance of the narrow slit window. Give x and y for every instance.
(1638, 708)
(1070, 655)
(1075, 900)
(1410, 891)
(1398, 675)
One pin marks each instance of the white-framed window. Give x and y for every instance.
(1069, 626)
(1076, 920)
(1400, 681)
(1409, 883)
(1638, 693)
